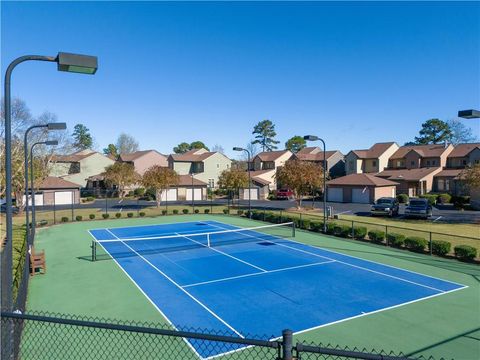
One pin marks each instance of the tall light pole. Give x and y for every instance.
(316, 138)
(49, 127)
(65, 62)
(32, 185)
(249, 179)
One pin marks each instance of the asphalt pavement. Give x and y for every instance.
(440, 214)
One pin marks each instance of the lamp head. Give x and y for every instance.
(236, 148)
(51, 142)
(469, 114)
(83, 64)
(310, 138)
(56, 126)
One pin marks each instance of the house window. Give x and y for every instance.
(433, 163)
(428, 162)
(447, 185)
(374, 163)
(464, 162)
(350, 164)
(399, 163)
(412, 163)
(477, 161)
(269, 165)
(211, 183)
(441, 184)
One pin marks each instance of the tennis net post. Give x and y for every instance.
(94, 250)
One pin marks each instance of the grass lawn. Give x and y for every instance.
(444, 326)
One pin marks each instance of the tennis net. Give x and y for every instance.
(141, 246)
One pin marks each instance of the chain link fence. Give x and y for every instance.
(43, 336)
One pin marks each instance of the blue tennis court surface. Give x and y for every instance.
(259, 285)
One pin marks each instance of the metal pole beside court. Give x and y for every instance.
(287, 344)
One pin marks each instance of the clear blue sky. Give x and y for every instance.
(352, 73)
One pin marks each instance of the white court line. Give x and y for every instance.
(221, 252)
(438, 218)
(343, 212)
(354, 257)
(259, 273)
(355, 266)
(150, 225)
(148, 298)
(182, 289)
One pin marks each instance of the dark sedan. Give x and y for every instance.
(418, 208)
(385, 206)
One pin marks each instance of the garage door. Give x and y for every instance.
(335, 194)
(361, 196)
(197, 194)
(169, 195)
(63, 197)
(253, 194)
(38, 200)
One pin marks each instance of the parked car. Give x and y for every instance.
(285, 194)
(419, 208)
(385, 206)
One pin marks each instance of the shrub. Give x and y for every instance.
(376, 236)
(331, 227)
(105, 216)
(175, 211)
(185, 211)
(432, 198)
(118, 215)
(440, 247)
(196, 211)
(64, 219)
(460, 201)
(416, 243)
(269, 217)
(90, 198)
(164, 212)
(239, 212)
(130, 214)
(306, 224)
(91, 216)
(79, 218)
(465, 252)
(141, 213)
(342, 230)
(359, 232)
(396, 240)
(256, 215)
(444, 198)
(206, 211)
(139, 192)
(130, 193)
(226, 211)
(316, 226)
(402, 198)
(43, 222)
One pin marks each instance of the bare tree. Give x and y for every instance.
(218, 148)
(126, 144)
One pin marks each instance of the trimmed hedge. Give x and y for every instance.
(316, 226)
(305, 224)
(175, 211)
(164, 212)
(91, 216)
(432, 199)
(64, 219)
(331, 228)
(105, 216)
(342, 230)
(416, 243)
(465, 252)
(196, 211)
(141, 213)
(402, 198)
(444, 198)
(185, 211)
(440, 247)
(359, 232)
(79, 218)
(206, 211)
(376, 236)
(396, 240)
(118, 215)
(226, 211)
(130, 214)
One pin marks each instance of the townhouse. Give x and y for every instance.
(335, 160)
(372, 160)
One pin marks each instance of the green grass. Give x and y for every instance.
(444, 326)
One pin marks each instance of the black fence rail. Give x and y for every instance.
(53, 336)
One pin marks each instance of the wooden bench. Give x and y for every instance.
(37, 261)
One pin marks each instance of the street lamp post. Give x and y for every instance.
(49, 126)
(65, 62)
(193, 194)
(249, 179)
(32, 185)
(316, 138)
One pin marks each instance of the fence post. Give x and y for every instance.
(264, 211)
(430, 244)
(386, 234)
(73, 203)
(287, 344)
(54, 209)
(106, 202)
(281, 217)
(138, 206)
(301, 222)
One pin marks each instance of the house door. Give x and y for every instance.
(197, 194)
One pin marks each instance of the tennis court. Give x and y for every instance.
(209, 274)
